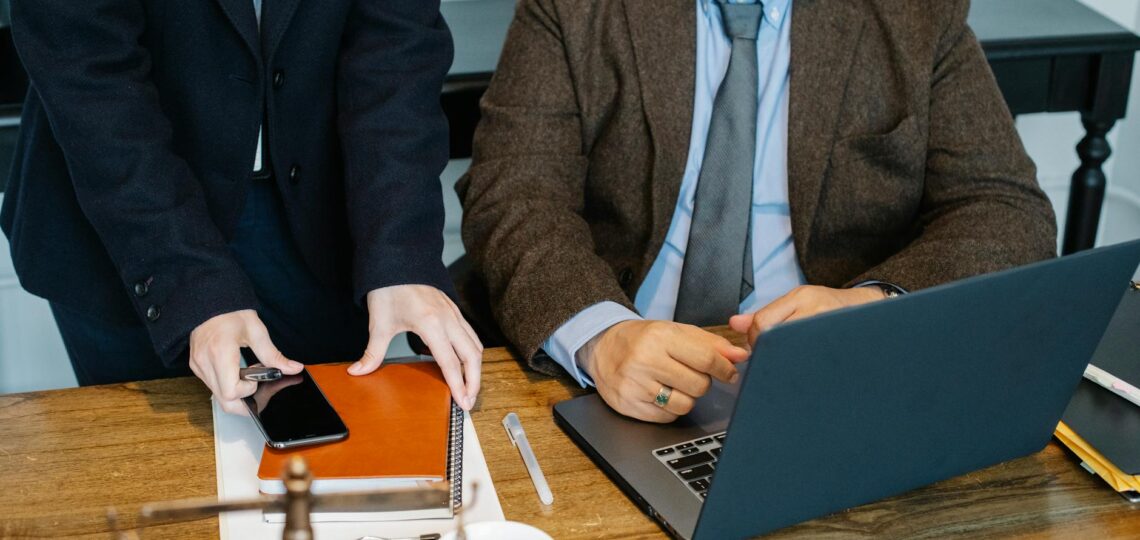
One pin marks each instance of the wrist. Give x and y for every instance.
(869, 293)
(587, 355)
(886, 289)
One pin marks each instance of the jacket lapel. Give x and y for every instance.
(664, 39)
(824, 38)
(275, 18)
(244, 20)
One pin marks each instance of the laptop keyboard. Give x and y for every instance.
(693, 462)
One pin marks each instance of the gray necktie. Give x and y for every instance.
(717, 273)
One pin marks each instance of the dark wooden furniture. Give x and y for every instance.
(479, 28)
(66, 455)
(1061, 56)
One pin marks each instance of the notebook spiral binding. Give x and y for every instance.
(455, 457)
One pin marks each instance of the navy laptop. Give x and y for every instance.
(864, 403)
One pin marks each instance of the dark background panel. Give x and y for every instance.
(13, 86)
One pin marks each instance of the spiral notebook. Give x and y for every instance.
(404, 430)
(237, 449)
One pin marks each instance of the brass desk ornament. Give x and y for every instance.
(298, 503)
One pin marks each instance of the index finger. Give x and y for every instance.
(444, 355)
(770, 315)
(268, 354)
(466, 325)
(701, 354)
(471, 356)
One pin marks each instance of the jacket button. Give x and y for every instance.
(153, 313)
(295, 174)
(278, 78)
(141, 288)
(625, 277)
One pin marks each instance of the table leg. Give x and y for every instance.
(1086, 194)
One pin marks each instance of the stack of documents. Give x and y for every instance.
(1126, 484)
(1102, 422)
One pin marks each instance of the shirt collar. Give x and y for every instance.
(775, 11)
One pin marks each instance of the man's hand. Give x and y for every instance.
(801, 302)
(215, 356)
(632, 360)
(436, 319)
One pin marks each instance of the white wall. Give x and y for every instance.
(31, 353)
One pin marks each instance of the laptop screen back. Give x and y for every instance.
(854, 406)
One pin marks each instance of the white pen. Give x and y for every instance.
(518, 438)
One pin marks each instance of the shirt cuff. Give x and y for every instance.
(564, 343)
(877, 283)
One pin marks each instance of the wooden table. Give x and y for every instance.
(66, 455)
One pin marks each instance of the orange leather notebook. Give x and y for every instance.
(399, 428)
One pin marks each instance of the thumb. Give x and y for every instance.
(740, 323)
(373, 354)
(267, 353)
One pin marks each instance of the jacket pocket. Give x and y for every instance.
(875, 182)
(900, 144)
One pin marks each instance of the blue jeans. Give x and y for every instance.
(308, 321)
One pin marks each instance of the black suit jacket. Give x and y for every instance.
(139, 134)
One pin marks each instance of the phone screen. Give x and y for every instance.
(292, 411)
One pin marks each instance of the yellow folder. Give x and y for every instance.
(1116, 478)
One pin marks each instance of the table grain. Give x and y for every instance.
(67, 455)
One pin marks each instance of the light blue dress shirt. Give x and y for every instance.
(774, 258)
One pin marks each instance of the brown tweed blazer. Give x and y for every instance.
(903, 162)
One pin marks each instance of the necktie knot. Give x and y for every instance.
(741, 20)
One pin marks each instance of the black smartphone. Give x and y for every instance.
(292, 411)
